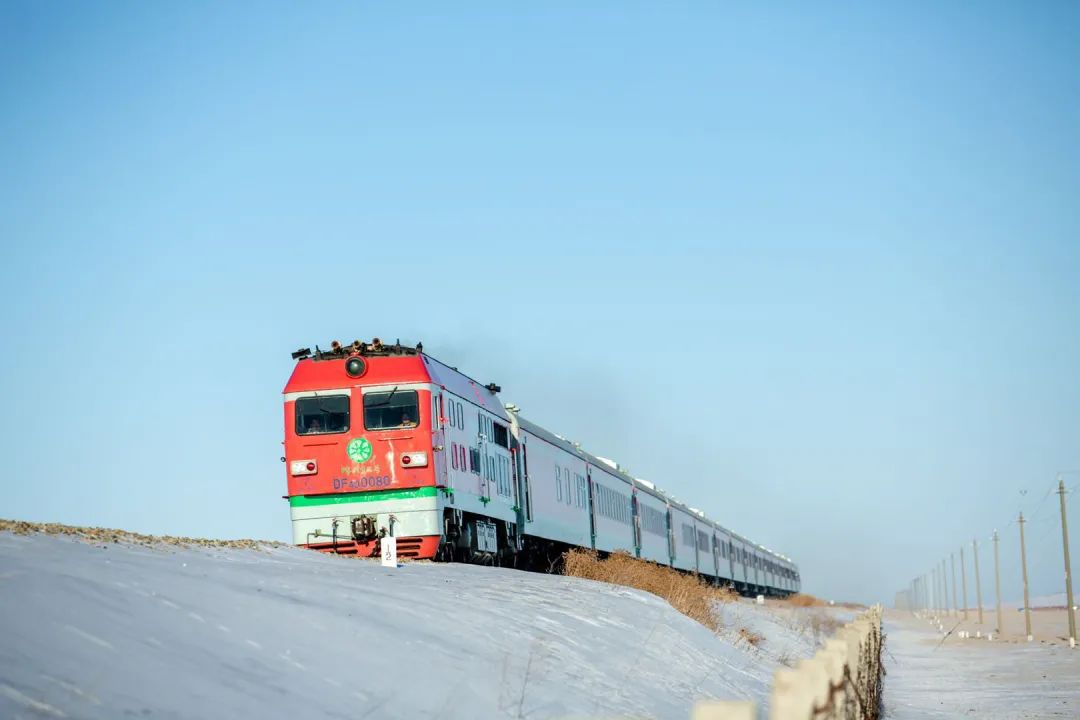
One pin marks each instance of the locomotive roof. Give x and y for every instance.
(392, 364)
(457, 382)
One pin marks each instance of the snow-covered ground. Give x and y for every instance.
(104, 630)
(957, 678)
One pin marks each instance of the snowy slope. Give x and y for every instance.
(104, 630)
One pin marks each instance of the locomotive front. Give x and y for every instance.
(359, 451)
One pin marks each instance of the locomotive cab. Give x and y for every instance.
(358, 452)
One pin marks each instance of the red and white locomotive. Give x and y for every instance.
(384, 440)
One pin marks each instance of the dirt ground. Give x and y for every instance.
(1048, 625)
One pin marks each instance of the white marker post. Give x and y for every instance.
(389, 552)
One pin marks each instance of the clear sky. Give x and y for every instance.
(815, 271)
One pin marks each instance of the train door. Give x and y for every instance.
(485, 461)
(634, 509)
(439, 444)
(670, 538)
(523, 478)
(716, 558)
(592, 507)
(731, 561)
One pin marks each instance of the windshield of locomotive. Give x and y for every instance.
(322, 415)
(391, 410)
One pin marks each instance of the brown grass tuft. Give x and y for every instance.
(800, 600)
(822, 625)
(688, 594)
(750, 636)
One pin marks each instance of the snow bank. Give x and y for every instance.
(100, 630)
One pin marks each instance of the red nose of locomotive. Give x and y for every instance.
(357, 423)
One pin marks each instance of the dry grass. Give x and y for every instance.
(851, 606)
(106, 535)
(750, 636)
(822, 625)
(800, 600)
(688, 594)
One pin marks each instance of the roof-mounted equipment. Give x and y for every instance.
(356, 348)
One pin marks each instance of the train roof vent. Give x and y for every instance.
(609, 462)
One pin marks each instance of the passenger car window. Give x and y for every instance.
(391, 410)
(322, 415)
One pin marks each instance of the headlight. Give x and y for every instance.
(355, 366)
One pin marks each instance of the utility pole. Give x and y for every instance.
(934, 588)
(1068, 569)
(937, 589)
(944, 594)
(997, 584)
(1023, 564)
(945, 588)
(952, 562)
(963, 578)
(978, 584)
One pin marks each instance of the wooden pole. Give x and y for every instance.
(963, 578)
(1068, 567)
(978, 584)
(952, 562)
(997, 584)
(944, 588)
(1023, 564)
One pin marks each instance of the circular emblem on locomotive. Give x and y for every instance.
(359, 450)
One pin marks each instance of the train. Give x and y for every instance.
(383, 440)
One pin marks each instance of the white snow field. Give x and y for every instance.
(108, 630)
(976, 678)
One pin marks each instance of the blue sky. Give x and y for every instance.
(814, 271)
